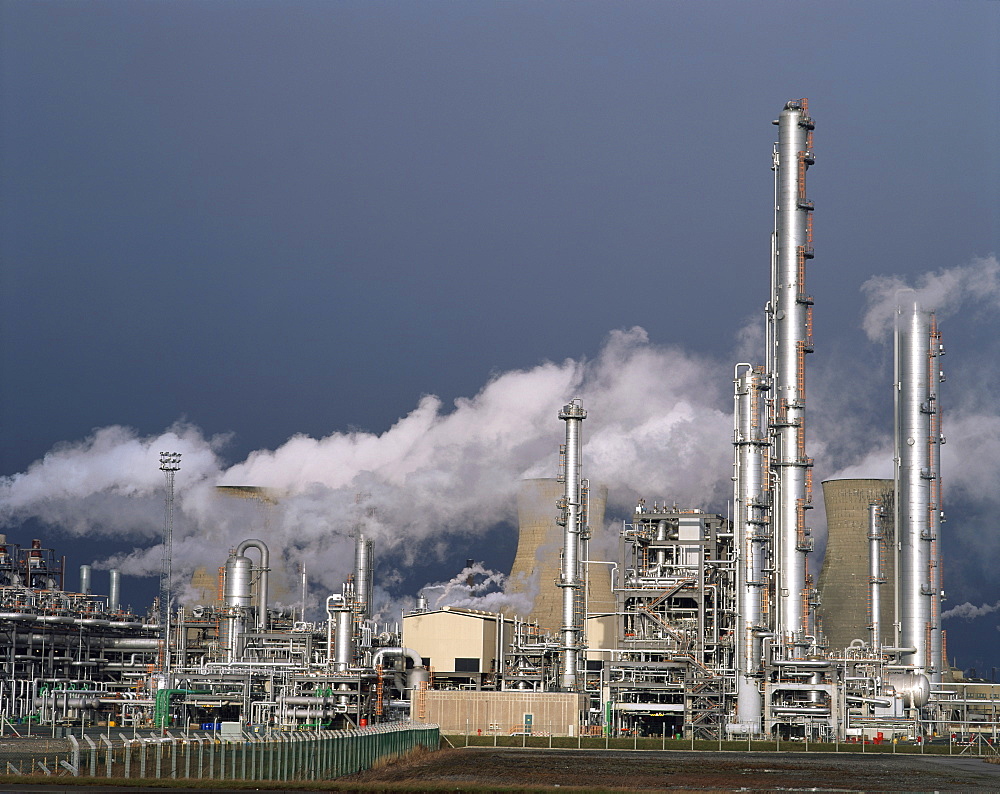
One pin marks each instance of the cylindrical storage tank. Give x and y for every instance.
(238, 581)
(344, 643)
(114, 590)
(236, 593)
(914, 688)
(845, 577)
(416, 676)
(85, 586)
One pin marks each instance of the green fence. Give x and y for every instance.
(306, 755)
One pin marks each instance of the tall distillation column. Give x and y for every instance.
(875, 576)
(750, 499)
(570, 582)
(789, 325)
(917, 486)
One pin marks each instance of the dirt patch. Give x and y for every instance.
(489, 769)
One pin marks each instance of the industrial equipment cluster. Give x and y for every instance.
(703, 626)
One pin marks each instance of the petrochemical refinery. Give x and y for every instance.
(702, 625)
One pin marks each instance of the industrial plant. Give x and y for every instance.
(699, 625)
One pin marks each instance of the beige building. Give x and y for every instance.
(466, 645)
(503, 713)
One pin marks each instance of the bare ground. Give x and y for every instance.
(493, 769)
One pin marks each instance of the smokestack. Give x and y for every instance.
(789, 315)
(85, 586)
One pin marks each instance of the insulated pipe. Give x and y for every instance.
(262, 585)
(789, 335)
(751, 522)
(409, 653)
(915, 475)
(573, 414)
(114, 590)
(875, 571)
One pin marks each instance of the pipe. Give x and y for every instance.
(409, 653)
(573, 414)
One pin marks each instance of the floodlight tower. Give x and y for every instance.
(170, 464)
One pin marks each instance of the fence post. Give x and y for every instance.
(75, 755)
(107, 755)
(93, 755)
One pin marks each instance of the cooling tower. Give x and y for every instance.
(537, 562)
(845, 577)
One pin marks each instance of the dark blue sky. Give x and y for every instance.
(271, 218)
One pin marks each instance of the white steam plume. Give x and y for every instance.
(659, 426)
(970, 611)
(476, 587)
(942, 291)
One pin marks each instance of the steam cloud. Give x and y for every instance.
(970, 611)
(942, 291)
(659, 425)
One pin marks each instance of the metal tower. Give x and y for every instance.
(170, 464)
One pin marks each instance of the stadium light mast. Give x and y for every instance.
(170, 464)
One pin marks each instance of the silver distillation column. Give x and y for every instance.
(363, 566)
(917, 487)
(573, 414)
(875, 576)
(789, 337)
(750, 499)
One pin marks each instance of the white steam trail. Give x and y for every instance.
(659, 426)
(970, 611)
(477, 587)
(942, 290)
